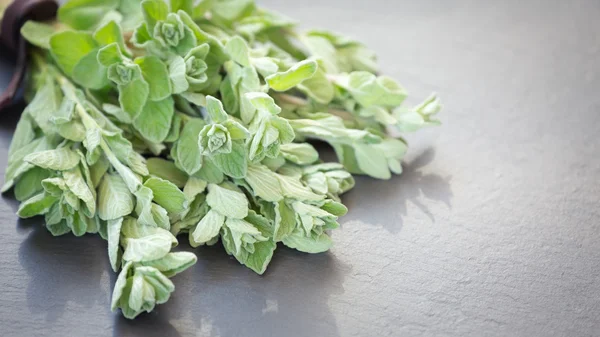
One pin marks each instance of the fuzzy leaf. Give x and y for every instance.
(155, 119)
(114, 199)
(292, 77)
(232, 204)
(59, 160)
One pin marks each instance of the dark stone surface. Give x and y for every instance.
(493, 230)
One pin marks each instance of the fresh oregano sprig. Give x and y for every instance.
(149, 120)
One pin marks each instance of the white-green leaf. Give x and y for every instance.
(237, 49)
(120, 285)
(264, 183)
(177, 74)
(167, 195)
(299, 153)
(193, 187)
(59, 160)
(147, 248)
(215, 110)
(114, 234)
(187, 154)
(173, 263)
(372, 161)
(207, 228)
(319, 244)
(232, 204)
(294, 189)
(285, 220)
(114, 198)
(77, 184)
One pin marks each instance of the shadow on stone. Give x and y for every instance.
(372, 200)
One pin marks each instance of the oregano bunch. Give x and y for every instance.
(156, 121)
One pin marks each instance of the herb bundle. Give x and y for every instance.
(150, 121)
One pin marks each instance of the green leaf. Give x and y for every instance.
(368, 89)
(210, 172)
(154, 11)
(207, 229)
(37, 33)
(147, 248)
(292, 77)
(193, 187)
(156, 74)
(69, 47)
(114, 234)
(133, 96)
(215, 110)
(167, 170)
(233, 10)
(285, 220)
(187, 154)
(132, 14)
(177, 74)
(312, 245)
(154, 121)
(173, 263)
(37, 205)
(299, 153)
(318, 87)
(264, 183)
(110, 33)
(233, 164)
(58, 229)
(263, 103)
(184, 5)
(89, 73)
(22, 136)
(237, 49)
(62, 159)
(16, 164)
(232, 204)
(161, 284)
(85, 14)
(109, 55)
(114, 198)
(167, 195)
(77, 184)
(30, 183)
(118, 113)
(294, 189)
(261, 257)
(175, 131)
(371, 161)
(120, 285)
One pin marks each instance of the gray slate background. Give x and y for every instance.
(493, 230)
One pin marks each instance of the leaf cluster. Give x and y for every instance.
(154, 120)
